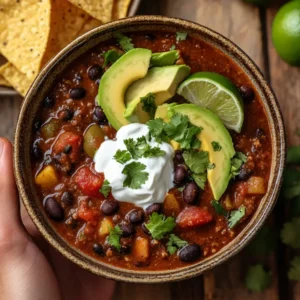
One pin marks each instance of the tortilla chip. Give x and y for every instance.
(66, 21)
(99, 9)
(89, 25)
(120, 9)
(24, 31)
(4, 82)
(18, 80)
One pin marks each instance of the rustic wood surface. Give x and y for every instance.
(249, 27)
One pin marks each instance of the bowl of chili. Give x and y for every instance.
(62, 166)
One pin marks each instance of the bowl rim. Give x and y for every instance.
(242, 239)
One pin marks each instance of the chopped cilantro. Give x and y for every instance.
(294, 271)
(156, 130)
(114, 237)
(154, 152)
(236, 162)
(159, 225)
(198, 163)
(173, 47)
(211, 166)
(235, 216)
(122, 156)
(105, 189)
(257, 278)
(110, 57)
(181, 36)
(135, 175)
(148, 104)
(124, 41)
(216, 146)
(290, 233)
(220, 210)
(175, 243)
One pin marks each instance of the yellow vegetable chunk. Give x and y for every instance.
(105, 227)
(256, 186)
(47, 178)
(141, 250)
(171, 205)
(228, 203)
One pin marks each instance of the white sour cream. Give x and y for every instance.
(160, 169)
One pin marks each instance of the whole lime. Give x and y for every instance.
(286, 32)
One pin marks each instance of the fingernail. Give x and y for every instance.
(1, 146)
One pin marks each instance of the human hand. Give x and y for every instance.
(30, 268)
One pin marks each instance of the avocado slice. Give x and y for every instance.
(160, 81)
(132, 66)
(161, 59)
(213, 130)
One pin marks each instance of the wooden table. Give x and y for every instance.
(249, 27)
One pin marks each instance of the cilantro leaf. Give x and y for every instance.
(264, 242)
(200, 180)
(216, 146)
(236, 163)
(114, 237)
(122, 156)
(105, 189)
(148, 104)
(159, 225)
(124, 41)
(290, 233)
(211, 166)
(175, 243)
(156, 130)
(181, 36)
(235, 216)
(220, 210)
(196, 161)
(173, 47)
(257, 278)
(110, 57)
(294, 270)
(154, 152)
(135, 175)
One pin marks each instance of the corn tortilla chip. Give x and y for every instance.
(99, 9)
(4, 82)
(18, 80)
(24, 31)
(66, 21)
(120, 9)
(89, 25)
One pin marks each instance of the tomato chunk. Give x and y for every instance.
(68, 142)
(87, 213)
(193, 217)
(88, 182)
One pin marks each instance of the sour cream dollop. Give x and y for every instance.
(160, 169)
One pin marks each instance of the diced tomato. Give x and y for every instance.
(70, 140)
(87, 213)
(193, 217)
(88, 182)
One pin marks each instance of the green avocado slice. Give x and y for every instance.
(161, 82)
(132, 66)
(213, 131)
(161, 59)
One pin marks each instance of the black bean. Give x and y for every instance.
(98, 249)
(37, 152)
(66, 114)
(78, 77)
(49, 102)
(53, 209)
(94, 72)
(245, 173)
(127, 229)
(67, 199)
(136, 216)
(190, 253)
(145, 229)
(109, 207)
(259, 133)
(178, 158)
(247, 92)
(77, 93)
(125, 249)
(190, 193)
(150, 37)
(180, 174)
(98, 81)
(68, 149)
(37, 125)
(99, 116)
(155, 207)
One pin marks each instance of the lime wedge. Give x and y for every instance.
(218, 94)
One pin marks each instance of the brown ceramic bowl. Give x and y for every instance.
(44, 82)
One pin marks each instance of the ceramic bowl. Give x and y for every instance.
(41, 87)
